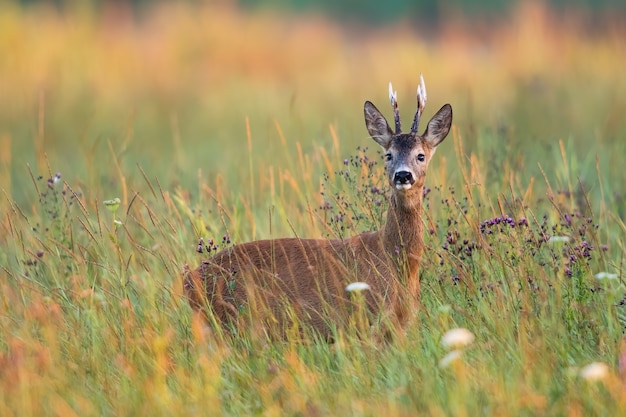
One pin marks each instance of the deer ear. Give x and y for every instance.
(439, 126)
(377, 125)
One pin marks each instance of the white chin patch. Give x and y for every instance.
(403, 186)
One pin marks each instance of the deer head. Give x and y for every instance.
(407, 154)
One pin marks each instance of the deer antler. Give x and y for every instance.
(421, 102)
(393, 97)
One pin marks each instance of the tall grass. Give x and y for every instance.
(208, 122)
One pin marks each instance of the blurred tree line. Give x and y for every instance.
(377, 11)
(425, 10)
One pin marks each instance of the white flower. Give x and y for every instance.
(554, 239)
(457, 338)
(595, 371)
(449, 358)
(606, 275)
(112, 204)
(358, 287)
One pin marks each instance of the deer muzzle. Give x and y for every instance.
(403, 180)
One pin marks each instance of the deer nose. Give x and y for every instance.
(403, 177)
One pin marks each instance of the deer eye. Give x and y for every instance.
(421, 157)
(388, 157)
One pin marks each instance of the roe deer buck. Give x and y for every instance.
(290, 282)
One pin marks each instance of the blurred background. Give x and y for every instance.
(370, 11)
(255, 92)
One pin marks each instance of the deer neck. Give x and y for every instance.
(402, 234)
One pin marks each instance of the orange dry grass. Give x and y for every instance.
(221, 51)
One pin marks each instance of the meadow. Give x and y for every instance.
(206, 121)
